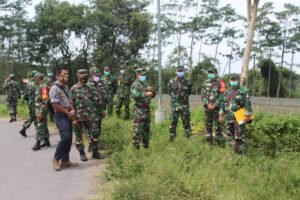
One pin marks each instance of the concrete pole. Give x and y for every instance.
(160, 113)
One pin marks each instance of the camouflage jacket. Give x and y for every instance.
(40, 104)
(210, 93)
(124, 83)
(179, 90)
(30, 90)
(141, 101)
(48, 81)
(235, 99)
(12, 90)
(83, 102)
(98, 94)
(110, 85)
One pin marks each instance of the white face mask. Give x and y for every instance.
(96, 79)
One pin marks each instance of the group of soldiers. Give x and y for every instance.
(93, 96)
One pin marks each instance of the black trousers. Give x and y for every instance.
(64, 126)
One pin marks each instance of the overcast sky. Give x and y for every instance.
(238, 5)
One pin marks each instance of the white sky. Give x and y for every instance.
(238, 5)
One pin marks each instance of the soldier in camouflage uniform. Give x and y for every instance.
(110, 90)
(49, 80)
(180, 89)
(211, 95)
(142, 95)
(41, 112)
(97, 88)
(123, 92)
(13, 94)
(29, 96)
(235, 98)
(85, 115)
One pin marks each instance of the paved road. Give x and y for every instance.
(28, 175)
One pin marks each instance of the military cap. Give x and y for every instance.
(140, 70)
(32, 73)
(39, 75)
(106, 68)
(180, 67)
(94, 70)
(11, 75)
(212, 69)
(82, 72)
(122, 67)
(234, 77)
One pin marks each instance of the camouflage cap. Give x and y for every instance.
(212, 68)
(82, 72)
(180, 67)
(234, 77)
(32, 73)
(94, 70)
(11, 75)
(122, 66)
(140, 71)
(39, 75)
(106, 68)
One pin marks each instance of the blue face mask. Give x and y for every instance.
(234, 83)
(106, 73)
(142, 78)
(122, 71)
(180, 74)
(211, 76)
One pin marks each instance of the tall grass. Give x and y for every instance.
(192, 169)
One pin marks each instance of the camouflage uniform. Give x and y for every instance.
(235, 98)
(97, 88)
(85, 115)
(30, 100)
(110, 90)
(13, 94)
(141, 121)
(123, 93)
(41, 108)
(210, 94)
(180, 89)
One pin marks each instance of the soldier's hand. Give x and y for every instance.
(74, 122)
(220, 119)
(149, 94)
(39, 116)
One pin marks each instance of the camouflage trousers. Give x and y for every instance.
(12, 108)
(185, 117)
(236, 133)
(126, 101)
(211, 118)
(30, 118)
(41, 127)
(109, 105)
(141, 130)
(92, 132)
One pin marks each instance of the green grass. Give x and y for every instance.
(192, 169)
(22, 111)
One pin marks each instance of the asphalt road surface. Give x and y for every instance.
(28, 175)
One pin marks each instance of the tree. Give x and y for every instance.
(251, 19)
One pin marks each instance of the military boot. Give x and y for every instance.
(90, 148)
(46, 143)
(82, 155)
(96, 154)
(37, 146)
(11, 118)
(15, 117)
(23, 132)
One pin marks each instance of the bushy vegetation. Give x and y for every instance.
(192, 169)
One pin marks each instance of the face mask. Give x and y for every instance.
(83, 80)
(96, 79)
(234, 83)
(211, 76)
(180, 74)
(49, 74)
(142, 78)
(122, 71)
(106, 73)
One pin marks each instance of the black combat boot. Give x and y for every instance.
(46, 143)
(82, 155)
(23, 132)
(37, 146)
(90, 148)
(11, 118)
(15, 117)
(96, 154)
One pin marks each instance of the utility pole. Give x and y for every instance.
(160, 113)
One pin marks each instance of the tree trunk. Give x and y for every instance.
(281, 63)
(291, 70)
(269, 81)
(191, 51)
(200, 49)
(252, 12)
(254, 77)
